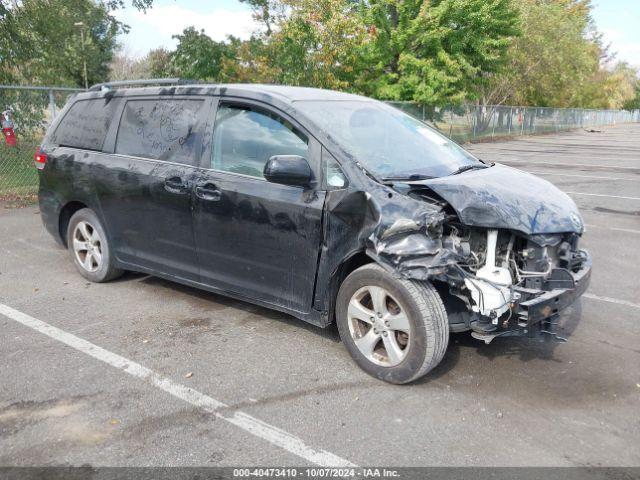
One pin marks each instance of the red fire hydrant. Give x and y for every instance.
(7, 128)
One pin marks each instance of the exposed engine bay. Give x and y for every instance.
(505, 270)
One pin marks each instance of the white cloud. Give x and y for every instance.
(156, 27)
(172, 19)
(625, 50)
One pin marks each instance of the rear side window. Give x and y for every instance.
(167, 130)
(85, 125)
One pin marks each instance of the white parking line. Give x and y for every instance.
(611, 300)
(583, 176)
(246, 422)
(568, 165)
(616, 229)
(602, 195)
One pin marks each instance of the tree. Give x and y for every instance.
(12, 44)
(125, 67)
(247, 61)
(556, 62)
(268, 13)
(611, 88)
(317, 45)
(139, 4)
(197, 56)
(429, 51)
(159, 63)
(41, 45)
(44, 46)
(634, 102)
(434, 51)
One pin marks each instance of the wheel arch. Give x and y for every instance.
(348, 265)
(66, 212)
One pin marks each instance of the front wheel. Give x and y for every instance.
(89, 247)
(395, 329)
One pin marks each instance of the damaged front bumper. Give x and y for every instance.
(549, 303)
(536, 312)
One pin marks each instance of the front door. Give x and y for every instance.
(257, 239)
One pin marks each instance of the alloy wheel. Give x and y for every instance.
(379, 326)
(87, 246)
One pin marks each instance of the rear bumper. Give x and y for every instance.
(50, 207)
(550, 303)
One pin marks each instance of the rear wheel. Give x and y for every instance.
(395, 329)
(89, 247)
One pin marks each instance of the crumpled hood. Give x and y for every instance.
(505, 197)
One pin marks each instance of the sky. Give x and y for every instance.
(618, 20)
(155, 28)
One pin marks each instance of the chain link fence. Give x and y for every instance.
(33, 109)
(470, 123)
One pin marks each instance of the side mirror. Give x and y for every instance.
(288, 170)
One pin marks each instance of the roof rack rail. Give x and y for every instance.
(137, 83)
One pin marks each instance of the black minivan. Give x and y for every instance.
(324, 205)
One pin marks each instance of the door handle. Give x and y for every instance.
(176, 185)
(209, 192)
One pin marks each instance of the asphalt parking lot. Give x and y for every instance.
(266, 389)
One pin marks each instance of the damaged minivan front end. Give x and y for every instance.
(502, 246)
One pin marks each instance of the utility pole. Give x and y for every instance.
(80, 25)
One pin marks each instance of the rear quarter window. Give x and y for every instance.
(85, 125)
(167, 130)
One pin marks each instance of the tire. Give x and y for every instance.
(89, 248)
(414, 343)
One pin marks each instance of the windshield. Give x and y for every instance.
(387, 141)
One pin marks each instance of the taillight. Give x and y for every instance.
(40, 159)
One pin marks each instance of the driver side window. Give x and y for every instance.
(245, 138)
